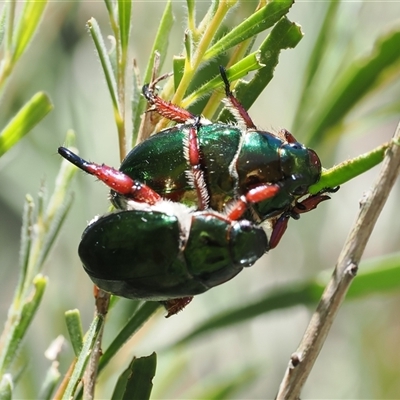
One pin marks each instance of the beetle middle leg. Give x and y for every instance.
(254, 195)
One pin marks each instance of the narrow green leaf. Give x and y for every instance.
(74, 326)
(120, 386)
(137, 320)
(124, 16)
(256, 23)
(6, 387)
(52, 378)
(359, 79)
(380, 275)
(90, 339)
(161, 46)
(56, 211)
(3, 14)
(191, 12)
(27, 117)
(28, 22)
(284, 35)
(161, 40)
(237, 71)
(140, 382)
(228, 388)
(26, 243)
(179, 67)
(349, 169)
(21, 323)
(97, 37)
(285, 297)
(314, 61)
(110, 9)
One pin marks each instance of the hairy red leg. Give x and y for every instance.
(116, 180)
(165, 108)
(255, 195)
(196, 171)
(238, 109)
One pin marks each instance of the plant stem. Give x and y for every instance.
(302, 361)
(102, 303)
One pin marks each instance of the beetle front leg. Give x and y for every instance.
(116, 180)
(280, 225)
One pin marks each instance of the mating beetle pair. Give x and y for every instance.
(198, 191)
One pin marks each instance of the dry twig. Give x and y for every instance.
(303, 359)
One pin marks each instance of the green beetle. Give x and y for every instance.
(190, 200)
(159, 256)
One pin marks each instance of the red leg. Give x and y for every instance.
(255, 195)
(174, 306)
(116, 180)
(165, 108)
(308, 204)
(237, 109)
(196, 173)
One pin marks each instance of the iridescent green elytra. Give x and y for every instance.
(146, 255)
(160, 163)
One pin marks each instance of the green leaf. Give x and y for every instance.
(27, 117)
(6, 387)
(21, 321)
(314, 61)
(375, 276)
(74, 326)
(359, 79)
(285, 297)
(25, 248)
(178, 67)
(52, 378)
(349, 169)
(256, 23)
(3, 14)
(136, 382)
(284, 35)
(90, 340)
(132, 326)
(124, 16)
(228, 388)
(28, 22)
(160, 45)
(105, 61)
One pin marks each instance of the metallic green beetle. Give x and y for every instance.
(189, 202)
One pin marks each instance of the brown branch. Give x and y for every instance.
(302, 361)
(89, 380)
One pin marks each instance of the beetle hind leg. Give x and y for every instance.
(174, 306)
(113, 178)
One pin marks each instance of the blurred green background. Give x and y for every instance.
(360, 358)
